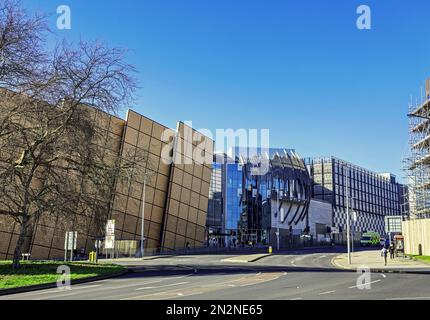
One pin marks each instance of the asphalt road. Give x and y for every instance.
(295, 276)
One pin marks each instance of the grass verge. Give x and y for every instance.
(45, 272)
(421, 258)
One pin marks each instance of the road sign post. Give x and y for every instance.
(71, 238)
(70, 244)
(66, 246)
(110, 237)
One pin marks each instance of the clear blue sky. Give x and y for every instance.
(300, 68)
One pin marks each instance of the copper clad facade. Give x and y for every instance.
(176, 195)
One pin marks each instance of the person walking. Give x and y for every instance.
(392, 251)
(384, 253)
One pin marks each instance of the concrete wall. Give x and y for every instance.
(417, 232)
(320, 212)
(295, 212)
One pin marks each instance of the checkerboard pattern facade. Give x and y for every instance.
(370, 196)
(365, 221)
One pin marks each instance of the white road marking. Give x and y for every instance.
(293, 262)
(71, 292)
(364, 284)
(73, 289)
(189, 294)
(165, 286)
(410, 298)
(179, 294)
(226, 282)
(299, 298)
(56, 290)
(253, 283)
(327, 292)
(146, 295)
(383, 275)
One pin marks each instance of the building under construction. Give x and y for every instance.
(418, 162)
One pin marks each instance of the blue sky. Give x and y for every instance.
(300, 68)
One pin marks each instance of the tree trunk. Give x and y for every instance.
(20, 243)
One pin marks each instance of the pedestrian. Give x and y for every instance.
(392, 251)
(384, 253)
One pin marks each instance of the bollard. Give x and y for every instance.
(92, 257)
(270, 249)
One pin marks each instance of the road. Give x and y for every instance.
(295, 276)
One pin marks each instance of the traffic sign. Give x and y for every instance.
(109, 242)
(110, 228)
(70, 240)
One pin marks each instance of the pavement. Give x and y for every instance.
(372, 259)
(294, 275)
(133, 260)
(246, 258)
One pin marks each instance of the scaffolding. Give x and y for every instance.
(417, 164)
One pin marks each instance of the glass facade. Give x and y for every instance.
(215, 205)
(260, 196)
(233, 196)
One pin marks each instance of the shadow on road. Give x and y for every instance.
(156, 271)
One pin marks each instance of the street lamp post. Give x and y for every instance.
(354, 218)
(279, 215)
(142, 226)
(353, 232)
(279, 219)
(348, 231)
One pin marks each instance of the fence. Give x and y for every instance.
(417, 236)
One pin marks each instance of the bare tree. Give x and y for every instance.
(51, 163)
(21, 44)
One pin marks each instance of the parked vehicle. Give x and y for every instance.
(370, 239)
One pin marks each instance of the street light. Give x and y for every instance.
(142, 226)
(279, 216)
(348, 232)
(354, 220)
(278, 213)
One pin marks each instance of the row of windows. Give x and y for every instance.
(325, 169)
(369, 186)
(368, 196)
(367, 207)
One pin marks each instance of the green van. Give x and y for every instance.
(370, 239)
